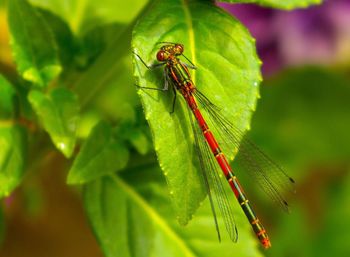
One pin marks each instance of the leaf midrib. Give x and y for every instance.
(188, 20)
(153, 215)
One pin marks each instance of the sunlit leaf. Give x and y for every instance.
(133, 217)
(101, 154)
(286, 4)
(84, 15)
(58, 113)
(33, 44)
(227, 73)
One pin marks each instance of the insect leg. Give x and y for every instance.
(150, 67)
(192, 66)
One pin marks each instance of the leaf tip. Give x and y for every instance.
(65, 146)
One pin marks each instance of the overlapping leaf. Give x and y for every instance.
(58, 113)
(13, 141)
(227, 73)
(101, 154)
(63, 37)
(33, 45)
(287, 4)
(132, 216)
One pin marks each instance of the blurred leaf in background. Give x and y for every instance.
(302, 119)
(137, 203)
(33, 45)
(84, 15)
(13, 140)
(287, 4)
(94, 158)
(58, 113)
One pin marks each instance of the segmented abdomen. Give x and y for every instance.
(229, 174)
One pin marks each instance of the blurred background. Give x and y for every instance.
(302, 120)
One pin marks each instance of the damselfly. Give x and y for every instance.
(272, 179)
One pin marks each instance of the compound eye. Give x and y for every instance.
(179, 49)
(161, 56)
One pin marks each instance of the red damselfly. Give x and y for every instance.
(272, 179)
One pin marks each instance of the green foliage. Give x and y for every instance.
(58, 113)
(34, 48)
(101, 154)
(12, 157)
(229, 50)
(138, 205)
(290, 121)
(89, 41)
(83, 15)
(12, 141)
(7, 99)
(302, 119)
(63, 36)
(287, 4)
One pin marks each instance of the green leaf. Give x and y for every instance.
(13, 142)
(227, 73)
(96, 40)
(101, 154)
(63, 36)
(32, 42)
(7, 98)
(58, 113)
(286, 4)
(140, 141)
(83, 15)
(133, 217)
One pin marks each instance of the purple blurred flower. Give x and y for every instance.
(317, 35)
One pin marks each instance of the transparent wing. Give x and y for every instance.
(269, 176)
(213, 182)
